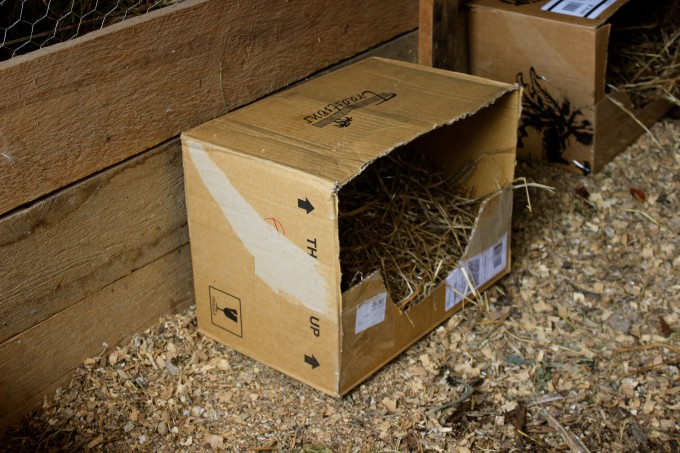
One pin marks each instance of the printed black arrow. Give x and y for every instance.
(305, 204)
(311, 361)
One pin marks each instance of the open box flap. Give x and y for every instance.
(335, 125)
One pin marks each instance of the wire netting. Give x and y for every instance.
(28, 25)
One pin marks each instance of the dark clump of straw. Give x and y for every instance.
(644, 52)
(406, 219)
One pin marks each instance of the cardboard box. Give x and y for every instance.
(558, 50)
(262, 189)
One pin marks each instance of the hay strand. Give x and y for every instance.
(644, 54)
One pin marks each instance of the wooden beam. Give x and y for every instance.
(68, 246)
(442, 38)
(78, 107)
(36, 361)
(425, 30)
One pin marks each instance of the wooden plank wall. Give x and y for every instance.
(141, 81)
(93, 238)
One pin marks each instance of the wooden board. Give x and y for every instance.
(402, 48)
(38, 360)
(425, 31)
(78, 107)
(68, 246)
(442, 31)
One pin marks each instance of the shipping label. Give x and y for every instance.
(475, 272)
(371, 312)
(580, 8)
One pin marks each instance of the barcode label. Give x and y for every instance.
(370, 312)
(579, 8)
(473, 269)
(497, 255)
(457, 288)
(475, 272)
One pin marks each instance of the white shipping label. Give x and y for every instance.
(579, 8)
(371, 312)
(475, 272)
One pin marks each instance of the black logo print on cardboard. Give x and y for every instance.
(557, 121)
(337, 112)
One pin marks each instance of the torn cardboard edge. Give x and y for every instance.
(338, 152)
(489, 235)
(489, 242)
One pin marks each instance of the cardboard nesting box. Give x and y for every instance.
(263, 185)
(558, 50)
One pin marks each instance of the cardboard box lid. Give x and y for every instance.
(331, 127)
(534, 9)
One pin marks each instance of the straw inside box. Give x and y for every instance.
(403, 217)
(644, 52)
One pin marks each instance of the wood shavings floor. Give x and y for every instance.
(578, 349)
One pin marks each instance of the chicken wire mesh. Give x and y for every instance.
(28, 25)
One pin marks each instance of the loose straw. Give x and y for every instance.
(644, 52)
(407, 220)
